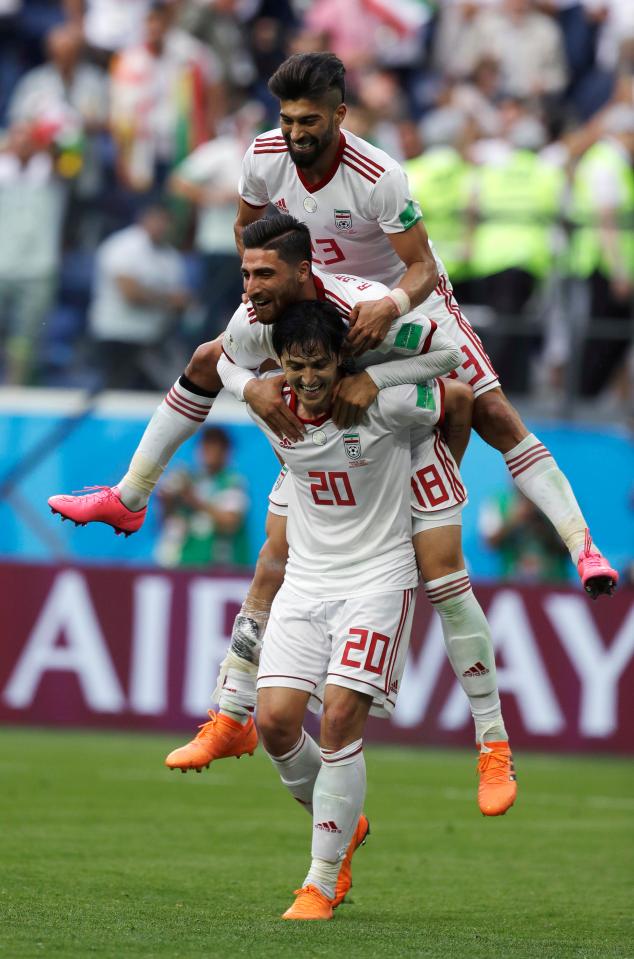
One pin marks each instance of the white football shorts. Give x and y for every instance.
(476, 369)
(359, 643)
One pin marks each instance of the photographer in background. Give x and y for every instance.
(204, 513)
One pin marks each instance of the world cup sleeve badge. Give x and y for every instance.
(343, 220)
(352, 445)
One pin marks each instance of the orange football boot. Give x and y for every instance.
(498, 786)
(344, 879)
(310, 903)
(220, 738)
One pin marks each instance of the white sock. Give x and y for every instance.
(470, 650)
(299, 769)
(536, 474)
(237, 694)
(338, 799)
(178, 417)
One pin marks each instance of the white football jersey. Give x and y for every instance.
(248, 343)
(349, 526)
(363, 197)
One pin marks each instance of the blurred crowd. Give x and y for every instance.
(123, 124)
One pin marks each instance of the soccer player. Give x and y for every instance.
(277, 271)
(340, 624)
(356, 201)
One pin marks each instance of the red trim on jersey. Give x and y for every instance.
(367, 159)
(265, 139)
(292, 405)
(270, 150)
(254, 206)
(357, 161)
(319, 286)
(359, 171)
(329, 174)
(427, 343)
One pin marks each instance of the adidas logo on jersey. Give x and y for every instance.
(478, 669)
(328, 826)
(281, 205)
(394, 686)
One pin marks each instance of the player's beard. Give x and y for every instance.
(306, 159)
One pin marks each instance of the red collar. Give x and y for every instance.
(292, 403)
(327, 177)
(319, 287)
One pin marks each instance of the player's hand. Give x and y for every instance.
(369, 324)
(352, 396)
(265, 399)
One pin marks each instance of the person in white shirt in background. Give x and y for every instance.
(207, 179)
(32, 206)
(139, 293)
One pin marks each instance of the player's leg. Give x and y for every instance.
(231, 731)
(532, 467)
(470, 651)
(182, 412)
(457, 419)
(535, 472)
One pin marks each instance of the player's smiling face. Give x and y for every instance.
(312, 377)
(309, 128)
(272, 284)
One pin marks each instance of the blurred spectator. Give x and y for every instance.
(526, 543)
(204, 513)
(602, 245)
(440, 181)
(209, 179)
(516, 200)
(527, 44)
(68, 101)
(162, 100)
(139, 294)
(217, 24)
(109, 25)
(31, 212)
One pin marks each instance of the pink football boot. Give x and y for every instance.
(102, 506)
(596, 574)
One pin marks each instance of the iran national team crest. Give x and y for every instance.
(343, 220)
(352, 445)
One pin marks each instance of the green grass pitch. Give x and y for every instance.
(105, 853)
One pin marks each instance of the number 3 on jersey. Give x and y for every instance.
(327, 252)
(327, 485)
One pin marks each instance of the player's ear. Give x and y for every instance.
(340, 114)
(304, 271)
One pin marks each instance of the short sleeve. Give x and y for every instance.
(119, 255)
(392, 204)
(252, 187)
(242, 344)
(408, 405)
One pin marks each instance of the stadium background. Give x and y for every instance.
(61, 427)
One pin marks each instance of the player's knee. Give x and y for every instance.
(277, 729)
(458, 398)
(340, 722)
(202, 368)
(497, 421)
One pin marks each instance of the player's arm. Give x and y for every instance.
(242, 356)
(254, 197)
(426, 352)
(400, 218)
(246, 214)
